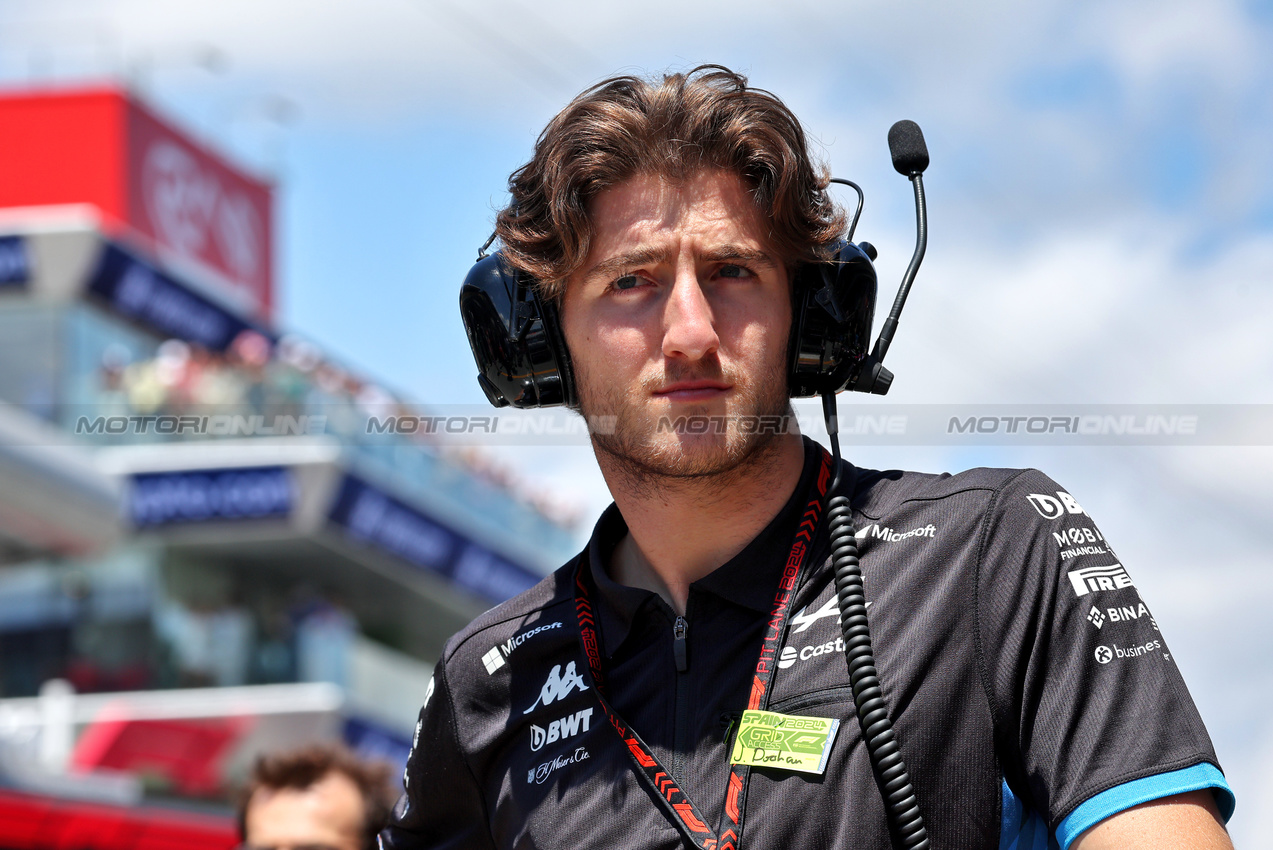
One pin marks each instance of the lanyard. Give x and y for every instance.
(675, 802)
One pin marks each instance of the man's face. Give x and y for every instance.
(328, 815)
(681, 309)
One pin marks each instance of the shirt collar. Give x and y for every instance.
(748, 579)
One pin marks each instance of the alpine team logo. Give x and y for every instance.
(558, 686)
(1089, 579)
(560, 730)
(1050, 507)
(802, 620)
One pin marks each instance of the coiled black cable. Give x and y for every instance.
(900, 805)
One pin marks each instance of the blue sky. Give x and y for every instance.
(1100, 195)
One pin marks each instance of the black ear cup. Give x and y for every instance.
(833, 307)
(522, 358)
(516, 338)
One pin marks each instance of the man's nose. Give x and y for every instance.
(689, 328)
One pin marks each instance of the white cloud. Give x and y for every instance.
(1117, 313)
(1156, 42)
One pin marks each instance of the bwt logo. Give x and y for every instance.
(1054, 508)
(559, 730)
(191, 209)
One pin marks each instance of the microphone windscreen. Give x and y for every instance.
(906, 144)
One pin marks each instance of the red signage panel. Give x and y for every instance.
(179, 199)
(64, 148)
(198, 207)
(32, 822)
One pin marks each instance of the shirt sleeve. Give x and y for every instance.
(442, 807)
(1091, 713)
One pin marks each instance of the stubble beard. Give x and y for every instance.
(645, 455)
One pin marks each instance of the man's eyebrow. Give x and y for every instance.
(643, 256)
(626, 260)
(726, 253)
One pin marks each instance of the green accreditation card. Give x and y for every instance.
(784, 741)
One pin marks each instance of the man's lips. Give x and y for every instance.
(693, 390)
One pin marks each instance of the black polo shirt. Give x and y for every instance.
(1030, 688)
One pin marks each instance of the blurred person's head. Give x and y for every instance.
(317, 798)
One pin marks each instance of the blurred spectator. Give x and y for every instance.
(316, 797)
(209, 644)
(325, 633)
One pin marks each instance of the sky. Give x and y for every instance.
(1100, 210)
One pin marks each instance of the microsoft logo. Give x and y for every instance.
(493, 660)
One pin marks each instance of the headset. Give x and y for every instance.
(522, 361)
(522, 358)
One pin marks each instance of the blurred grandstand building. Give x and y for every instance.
(204, 551)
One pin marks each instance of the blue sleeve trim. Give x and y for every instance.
(1121, 797)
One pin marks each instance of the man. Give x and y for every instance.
(316, 798)
(1030, 691)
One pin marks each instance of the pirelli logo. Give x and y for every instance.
(1090, 579)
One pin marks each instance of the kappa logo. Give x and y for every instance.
(558, 686)
(1089, 579)
(559, 730)
(494, 657)
(1050, 507)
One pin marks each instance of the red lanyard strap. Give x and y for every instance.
(675, 802)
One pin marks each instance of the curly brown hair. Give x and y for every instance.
(301, 768)
(707, 118)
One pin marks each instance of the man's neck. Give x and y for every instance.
(680, 530)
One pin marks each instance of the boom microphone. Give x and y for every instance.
(906, 144)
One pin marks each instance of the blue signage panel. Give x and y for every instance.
(15, 261)
(212, 495)
(142, 293)
(378, 519)
(373, 742)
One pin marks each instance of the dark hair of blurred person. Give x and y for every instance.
(320, 797)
